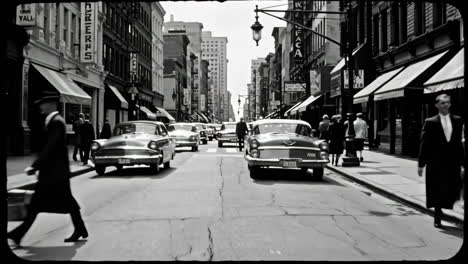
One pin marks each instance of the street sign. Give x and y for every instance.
(26, 15)
(294, 87)
(314, 82)
(88, 46)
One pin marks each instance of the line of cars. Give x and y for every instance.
(282, 143)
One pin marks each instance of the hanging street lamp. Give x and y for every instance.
(256, 28)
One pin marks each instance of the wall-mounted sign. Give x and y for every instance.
(133, 66)
(88, 32)
(186, 96)
(26, 15)
(202, 102)
(314, 82)
(298, 32)
(358, 80)
(294, 87)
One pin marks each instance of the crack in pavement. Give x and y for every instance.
(221, 188)
(177, 258)
(356, 243)
(274, 204)
(210, 245)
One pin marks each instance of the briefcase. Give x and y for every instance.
(18, 201)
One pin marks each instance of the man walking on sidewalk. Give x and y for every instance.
(441, 152)
(360, 129)
(87, 136)
(76, 128)
(241, 131)
(52, 192)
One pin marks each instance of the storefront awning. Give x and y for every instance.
(69, 91)
(292, 108)
(115, 91)
(363, 95)
(303, 106)
(204, 118)
(451, 76)
(163, 112)
(396, 86)
(272, 114)
(148, 113)
(341, 63)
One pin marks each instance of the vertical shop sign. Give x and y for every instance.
(88, 33)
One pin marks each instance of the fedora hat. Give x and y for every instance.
(47, 96)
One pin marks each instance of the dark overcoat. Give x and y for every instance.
(443, 160)
(87, 135)
(106, 131)
(336, 135)
(241, 129)
(52, 193)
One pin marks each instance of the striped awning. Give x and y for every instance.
(451, 76)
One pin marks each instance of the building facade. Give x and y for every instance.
(157, 45)
(214, 50)
(61, 56)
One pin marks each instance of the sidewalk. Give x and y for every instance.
(394, 177)
(16, 178)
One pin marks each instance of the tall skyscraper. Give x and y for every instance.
(214, 50)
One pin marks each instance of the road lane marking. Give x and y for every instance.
(231, 150)
(211, 150)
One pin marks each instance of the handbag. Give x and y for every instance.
(18, 202)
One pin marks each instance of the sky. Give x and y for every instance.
(233, 19)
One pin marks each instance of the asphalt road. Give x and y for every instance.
(206, 207)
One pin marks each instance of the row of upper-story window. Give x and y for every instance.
(157, 26)
(59, 25)
(117, 62)
(113, 10)
(393, 25)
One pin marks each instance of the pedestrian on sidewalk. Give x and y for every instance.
(87, 137)
(76, 128)
(441, 152)
(336, 133)
(52, 192)
(241, 131)
(360, 129)
(106, 131)
(323, 127)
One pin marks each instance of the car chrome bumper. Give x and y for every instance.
(186, 143)
(228, 140)
(126, 160)
(278, 163)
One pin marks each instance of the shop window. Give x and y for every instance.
(394, 25)
(403, 22)
(419, 18)
(439, 13)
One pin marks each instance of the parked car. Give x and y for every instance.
(217, 128)
(227, 133)
(203, 133)
(185, 135)
(285, 143)
(134, 143)
(210, 132)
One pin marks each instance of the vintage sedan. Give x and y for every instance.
(185, 135)
(285, 143)
(134, 143)
(203, 132)
(227, 134)
(216, 129)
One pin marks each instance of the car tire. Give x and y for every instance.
(220, 144)
(100, 170)
(205, 142)
(304, 170)
(155, 168)
(318, 173)
(167, 165)
(195, 148)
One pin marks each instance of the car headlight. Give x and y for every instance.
(255, 153)
(153, 145)
(324, 155)
(254, 144)
(323, 146)
(95, 146)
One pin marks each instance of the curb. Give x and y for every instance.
(448, 216)
(29, 185)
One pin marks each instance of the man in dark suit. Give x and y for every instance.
(241, 131)
(76, 127)
(52, 193)
(441, 152)
(87, 136)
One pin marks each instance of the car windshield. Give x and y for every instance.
(180, 127)
(284, 128)
(200, 127)
(135, 128)
(228, 126)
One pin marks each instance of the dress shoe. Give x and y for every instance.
(15, 238)
(438, 225)
(76, 236)
(362, 159)
(75, 159)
